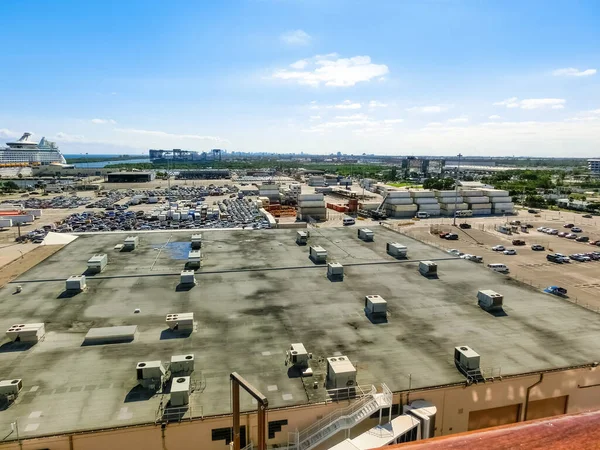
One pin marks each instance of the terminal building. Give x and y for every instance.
(140, 361)
(130, 177)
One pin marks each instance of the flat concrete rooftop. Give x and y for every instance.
(257, 293)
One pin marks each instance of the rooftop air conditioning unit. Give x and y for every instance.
(466, 359)
(490, 300)
(396, 250)
(196, 241)
(11, 388)
(298, 355)
(97, 263)
(182, 364)
(375, 307)
(335, 271)
(75, 283)
(302, 237)
(188, 278)
(180, 321)
(180, 391)
(318, 254)
(428, 268)
(365, 234)
(340, 373)
(151, 374)
(131, 242)
(26, 332)
(194, 259)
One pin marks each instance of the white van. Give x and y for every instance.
(349, 221)
(423, 215)
(498, 268)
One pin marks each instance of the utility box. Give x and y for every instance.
(318, 254)
(180, 391)
(365, 234)
(97, 263)
(131, 242)
(298, 355)
(151, 374)
(335, 271)
(26, 332)
(9, 389)
(196, 241)
(182, 365)
(466, 359)
(375, 307)
(194, 259)
(428, 268)
(302, 237)
(75, 283)
(180, 321)
(188, 278)
(490, 300)
(396, 250)
(340, 373)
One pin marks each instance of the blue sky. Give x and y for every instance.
(401, 77)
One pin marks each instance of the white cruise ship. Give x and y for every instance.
(26, 152)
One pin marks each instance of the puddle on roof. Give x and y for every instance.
(176, 250)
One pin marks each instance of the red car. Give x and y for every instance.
(443, 235)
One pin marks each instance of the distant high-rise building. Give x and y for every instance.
(594, 166)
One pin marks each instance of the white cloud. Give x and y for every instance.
(162, 134)
(494, 117)
(6, 133)
(352, 117)
(533, 103)
(355, 123)
(346, 104)
(375, 104)
(461, 119)
(572, 72)
(330, 70)
(66, 137)
(315, 117)
(299, 64)
(391, 121)
(104, 121)
(295, 37)
(434, 109)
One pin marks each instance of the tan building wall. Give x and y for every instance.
(458, 408)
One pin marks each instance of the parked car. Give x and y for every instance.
(498, 248)
(556, 290)
(532, 211)
(452, 237)
(594, 242)
(455, 252)
(562, 234)
(576, 230)
(568, 225)
(444, 234)
(541, 229)
(510, 251)
(585, 216)
(552, 231)
(465, 226)
(518, 242)
(582, 239)
(554, 258)
(571, 236)
(515, 222)
(537, 247)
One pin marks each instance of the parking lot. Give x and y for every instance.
(581, 279)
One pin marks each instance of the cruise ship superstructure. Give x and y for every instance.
(26, 151)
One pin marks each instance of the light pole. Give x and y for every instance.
(456, 189)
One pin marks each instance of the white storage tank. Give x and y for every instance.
(97, 263)
(194, 259)
(465, 358)
(75, 283)
(180, 321)
(396, 250)
(428, 268)
(365, 234)
(26, 332)
(187, 278)
(340, 373)
(182, 364)
(335, 271)
(375, 306)
(180, 391)
(196, 241)
(318, 254)
(302, 237)
(490, 300)
(130, 243)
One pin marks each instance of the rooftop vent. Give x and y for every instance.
(490, 300)
(467, 361)
(396, 250)
(335, 271)
(365, 234)
(180, 391)
(150, 374)
(182, 364)
(97, 263)
(340, 373)
(180, 321)
(75, 283)
(26, 332)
